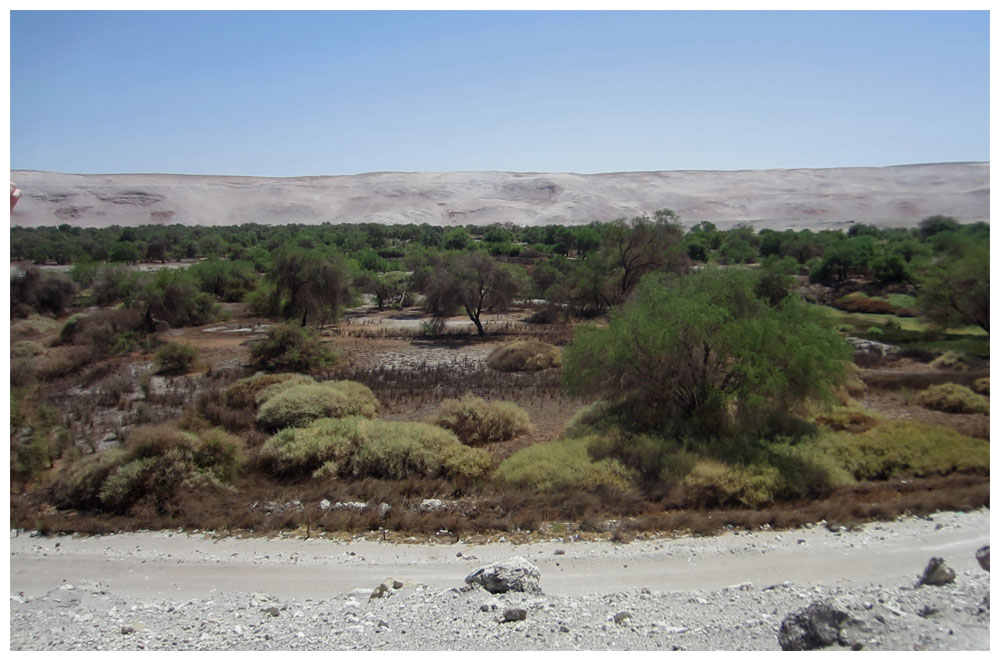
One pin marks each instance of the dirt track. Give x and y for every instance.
(177, 565)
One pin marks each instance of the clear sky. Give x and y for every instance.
(313, 93)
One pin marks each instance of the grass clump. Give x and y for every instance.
(982, 386)
(176, 358)
(900, 448)
(299, 405)
(525, 356)
(356, 447)
(476, 421)
(953, 398)
(156, 462)
(562, 464)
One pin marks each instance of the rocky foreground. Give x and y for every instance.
(114, 593)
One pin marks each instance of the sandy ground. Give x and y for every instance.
(775, 199)
(168, 564)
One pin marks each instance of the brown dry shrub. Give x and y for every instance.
(26, 349)
(476, 421)
(62, 362)
(524, 356)
(857, 302)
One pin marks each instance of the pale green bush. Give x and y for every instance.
(562, 464)
(953, 398)
(270, 391)
(897, 448)
(357, 447)
(476, 421)
(299, 405)
(243, 393)
(982, 386)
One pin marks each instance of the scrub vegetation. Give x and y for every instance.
(611, 378)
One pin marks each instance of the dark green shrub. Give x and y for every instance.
(35, 291)
(524, 356)
(357, 447)
(476, 421)
(156, 462)
(953, 398)
(291, 348)
(107, 332)
(299, 405)
(176, 358)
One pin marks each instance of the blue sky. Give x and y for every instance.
(314, 93)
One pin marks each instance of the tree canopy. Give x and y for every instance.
(703, 355)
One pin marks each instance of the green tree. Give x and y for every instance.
(955, 290)
(703, 356)
(474, 282)
(309, 282)
(173, 297)
(640, 246)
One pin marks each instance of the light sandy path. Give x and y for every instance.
(181, 566)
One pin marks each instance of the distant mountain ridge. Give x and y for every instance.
(792, 198)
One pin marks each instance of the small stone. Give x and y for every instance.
(397, 584)
(272, 611)
(514, 615)
(621, 617)
(379, 592)
(128, 630)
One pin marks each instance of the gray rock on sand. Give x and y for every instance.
(514, 615)
(983, 557)
(514, 575)
(936, 573)
(818, 625)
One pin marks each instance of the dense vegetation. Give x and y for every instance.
(714, 361)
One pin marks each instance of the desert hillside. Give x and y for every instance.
(818, 198)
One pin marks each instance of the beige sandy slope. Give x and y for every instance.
(817, 198)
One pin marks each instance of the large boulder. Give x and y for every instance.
(513, 575)
(818, 625)
(936, 573)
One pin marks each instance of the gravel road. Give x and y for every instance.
(175, 591)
